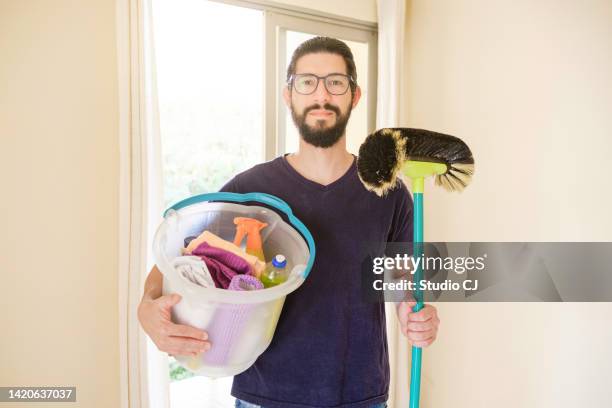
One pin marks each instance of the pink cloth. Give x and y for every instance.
(222, 265)
(245, 282)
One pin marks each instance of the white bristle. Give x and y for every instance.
(457, 177)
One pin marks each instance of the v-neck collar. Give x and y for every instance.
(313, 184)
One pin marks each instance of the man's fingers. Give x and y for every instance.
(420, 336)
(425, 343)
(420, 339)
(183, 346)
(431, 323)
(419, 326)
(422, 315)
(403, 310)
(169, 300)
(177, 352)
(182, 330)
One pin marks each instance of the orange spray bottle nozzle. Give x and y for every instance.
(250, 227)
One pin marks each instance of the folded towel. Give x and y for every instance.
(222, 265)
(257, 265)
(194, 270)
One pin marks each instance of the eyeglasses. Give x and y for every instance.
(306, 84)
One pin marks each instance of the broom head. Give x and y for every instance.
(383, 155)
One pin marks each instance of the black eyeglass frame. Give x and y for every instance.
(291, 82)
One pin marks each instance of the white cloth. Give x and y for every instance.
(194, 270)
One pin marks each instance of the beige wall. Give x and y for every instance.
(527, 84)
(364, 10)
(59, 172)
(59, 178)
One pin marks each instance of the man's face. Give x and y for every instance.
(321, 117)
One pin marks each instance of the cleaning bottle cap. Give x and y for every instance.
(279, 261)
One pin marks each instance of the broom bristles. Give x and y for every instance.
(384, 152)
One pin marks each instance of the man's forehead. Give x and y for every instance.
(320, 63)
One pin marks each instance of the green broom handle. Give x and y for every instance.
(415, 371)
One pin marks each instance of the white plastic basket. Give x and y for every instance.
(240, 324)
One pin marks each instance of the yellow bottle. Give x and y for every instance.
(276, 272)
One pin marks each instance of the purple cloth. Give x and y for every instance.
(227, 326)
(222, 265)
(245, 282)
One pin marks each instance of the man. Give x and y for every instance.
(329, 349)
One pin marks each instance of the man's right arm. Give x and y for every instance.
(154, 314)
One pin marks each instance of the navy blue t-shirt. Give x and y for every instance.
(330, 345)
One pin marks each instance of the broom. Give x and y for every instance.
(417, 153)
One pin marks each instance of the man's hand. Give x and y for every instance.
(174, 339)
(421, 328)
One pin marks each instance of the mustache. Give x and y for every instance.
(327, 106)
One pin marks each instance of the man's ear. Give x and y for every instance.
(357, 96)
(287, 96)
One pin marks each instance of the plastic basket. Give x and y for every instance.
(240, 324)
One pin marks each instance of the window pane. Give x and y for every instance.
(202, 392)
(210, 86)
(210, 90)
(357, 128)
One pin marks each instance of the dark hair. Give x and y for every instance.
(329, 45)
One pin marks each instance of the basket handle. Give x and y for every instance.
(234, 197)
(270, 200)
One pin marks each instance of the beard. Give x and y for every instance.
(320, 136)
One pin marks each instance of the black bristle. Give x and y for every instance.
(433, 146)
(378, 160)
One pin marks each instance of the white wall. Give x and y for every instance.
(527, 85)
(59, 178)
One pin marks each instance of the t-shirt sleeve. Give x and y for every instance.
(400, 231)
(231, 186)
(402, 222)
